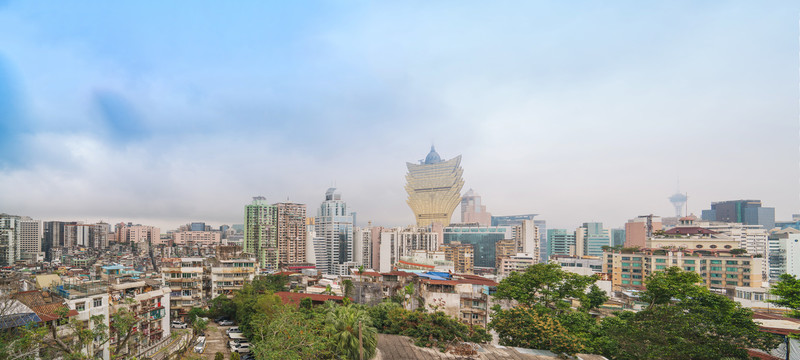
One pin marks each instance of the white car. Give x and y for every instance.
(179, 325)
(233, 330)
(201, 345)
(226, 323)
(241, 348)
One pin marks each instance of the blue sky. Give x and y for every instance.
(588, 111)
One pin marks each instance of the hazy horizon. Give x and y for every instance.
(168, 113)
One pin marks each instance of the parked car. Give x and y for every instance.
(247, 356)
(241, 348)
(179, 325)
(221, 318)
(233, 330)
(200, 345)
(226, 323)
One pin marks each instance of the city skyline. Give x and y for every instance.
(590, 114)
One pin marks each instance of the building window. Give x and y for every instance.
(660, 267)
(80, 306)
(758, 296)
(688, 261)
(688, 268)
(731, 262)
(716, 261)
(98, 302)
(716, 268)
(661, 260)
(731, 269)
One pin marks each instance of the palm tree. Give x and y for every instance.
(343, 323)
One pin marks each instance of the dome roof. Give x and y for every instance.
(433, 157)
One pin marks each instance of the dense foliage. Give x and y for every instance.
(682, 320)
(788, 291)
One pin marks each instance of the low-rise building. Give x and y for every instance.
(518, 262)
(720, 269)
(184, 277)
(149, 301)
(230, 275)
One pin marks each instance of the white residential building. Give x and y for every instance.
(399, 242)
(230, 275)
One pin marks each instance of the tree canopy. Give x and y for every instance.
(788, 291)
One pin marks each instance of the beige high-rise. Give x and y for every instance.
(434, 188)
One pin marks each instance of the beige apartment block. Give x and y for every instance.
(462, 256)
(184, 277)
(720, 270)
(227, 276)
(291, 227)
(190, 238)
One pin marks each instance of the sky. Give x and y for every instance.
(164, 113)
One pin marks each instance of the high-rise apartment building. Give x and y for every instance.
(749, 212)
(31, 234)
(434, 188)
(290, 221)
(9, 239)
(590, 239)
(260, 233)
(334, 230)
(638, 230)
(362, 247)
(473, 211)
(462, 256)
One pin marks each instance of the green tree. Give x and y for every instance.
(431, 329)
(293, 335)
(235, 356)
(122, 324)
(219, 356)
(524, 326)
(594, 298)
(222, 306)
(344, 324)
(788, 291)
(672, 283)
(545, 286)
(199, 326)
(273, 283)
(684, 321)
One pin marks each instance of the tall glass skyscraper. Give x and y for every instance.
(334, 234)
(434, 188)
